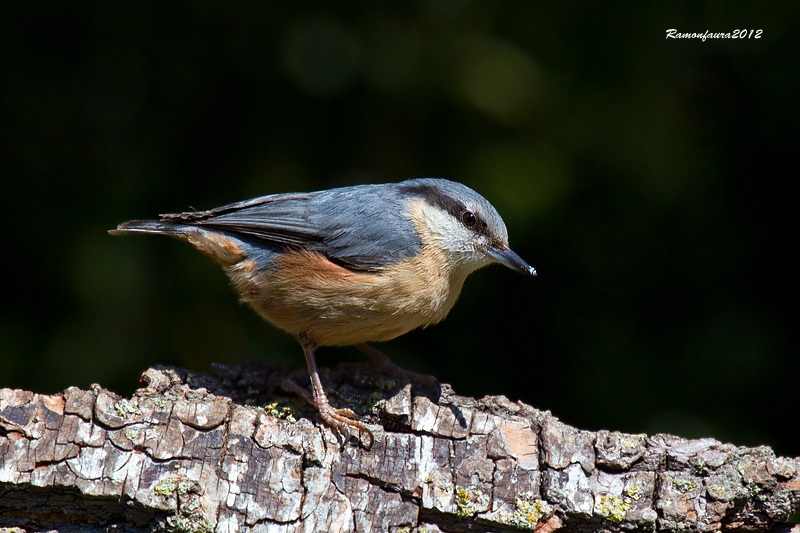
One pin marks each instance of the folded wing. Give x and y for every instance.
(361, 227)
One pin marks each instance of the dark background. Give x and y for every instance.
(649, 180)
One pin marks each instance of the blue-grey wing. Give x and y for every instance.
(365, 227)
(362, 227)
(277, 219)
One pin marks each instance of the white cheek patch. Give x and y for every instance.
(441, 230)
(449, 233)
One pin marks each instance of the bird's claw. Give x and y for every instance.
(343, 421)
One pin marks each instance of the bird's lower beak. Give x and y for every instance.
(506, 256)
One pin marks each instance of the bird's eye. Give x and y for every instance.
(469, 219)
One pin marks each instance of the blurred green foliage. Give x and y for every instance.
(647, 179)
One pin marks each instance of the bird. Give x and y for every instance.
(350, 265)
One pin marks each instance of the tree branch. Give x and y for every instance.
(228, 452)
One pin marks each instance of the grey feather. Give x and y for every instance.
(364, 227)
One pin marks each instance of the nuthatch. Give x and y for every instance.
(350, 265)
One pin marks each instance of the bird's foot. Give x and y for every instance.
(344, 420)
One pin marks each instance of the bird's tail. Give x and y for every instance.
(158, 227)
(214, 244)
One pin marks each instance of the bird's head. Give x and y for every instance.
(462, 224)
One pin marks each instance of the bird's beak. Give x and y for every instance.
(505, 256)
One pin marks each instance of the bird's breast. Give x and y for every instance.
(303, 292)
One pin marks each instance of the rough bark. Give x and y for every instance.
(197, 452)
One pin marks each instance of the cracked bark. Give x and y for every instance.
(198, 452)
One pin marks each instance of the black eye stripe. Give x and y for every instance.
(435, 197)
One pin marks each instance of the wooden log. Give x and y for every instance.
(232, 452)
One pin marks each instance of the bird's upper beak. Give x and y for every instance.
(506, 256)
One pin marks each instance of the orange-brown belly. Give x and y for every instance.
(304, 293)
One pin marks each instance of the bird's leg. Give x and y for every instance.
(382, 361)
(340, 419)
(375, 355)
